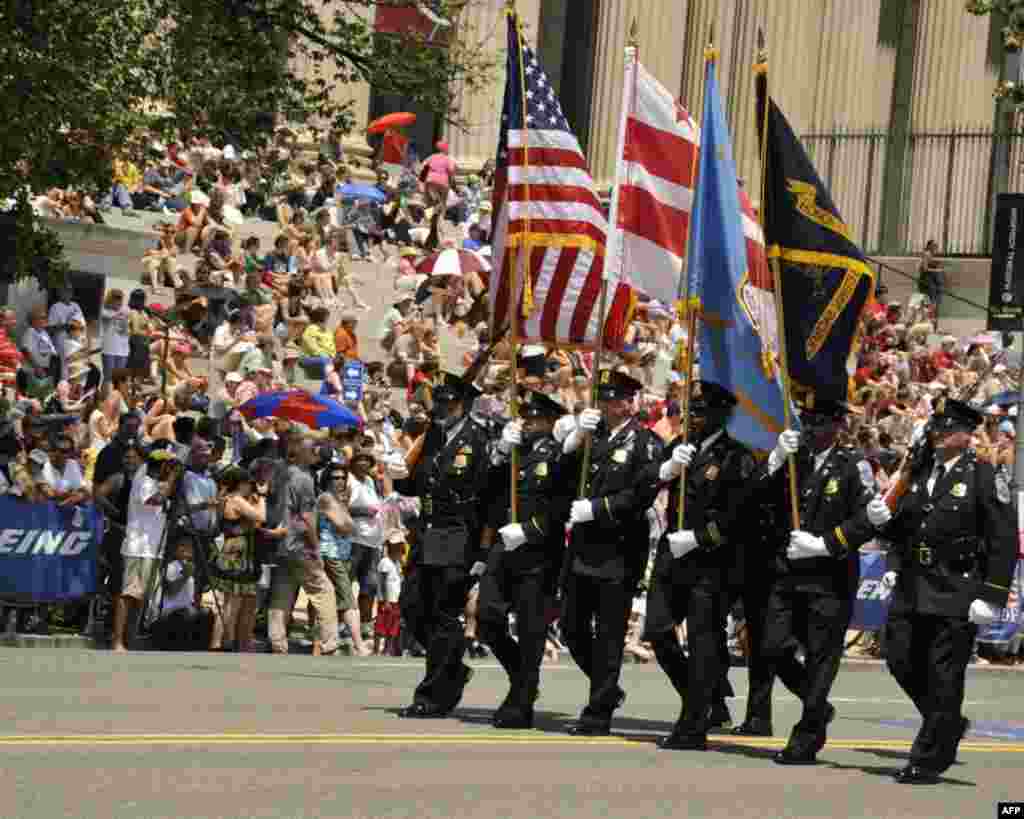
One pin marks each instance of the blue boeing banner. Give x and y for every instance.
(47, 552)
(731, 350)
(1012, 619)
(872, 604)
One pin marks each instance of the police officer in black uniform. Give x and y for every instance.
(450, 479)
(954, 540)
(608, 549)
(523, 565)
(818, 569)
(751, 586)
(693, 565)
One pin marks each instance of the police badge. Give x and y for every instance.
(541, 470)
(1002, 488)
(832, 487)
(959, 490)
(711, 473)
(619, 456)
(867, 474)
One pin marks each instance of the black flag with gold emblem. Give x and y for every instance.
(826, 282)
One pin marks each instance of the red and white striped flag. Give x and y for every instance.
(654, 187)
(550, 231)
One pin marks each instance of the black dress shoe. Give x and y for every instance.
(683, 741)
(916, 775)
(719, 718)
(422, 710)
(513, 721)
(620, 698)
(965, 726)
(590, 728)
(791, 756)
(830, 713)
(754, 727)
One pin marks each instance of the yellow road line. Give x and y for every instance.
(496, 739)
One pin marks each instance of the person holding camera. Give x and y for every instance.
(182, 625)
(144, 534)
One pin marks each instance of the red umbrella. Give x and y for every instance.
(453, 262)
(399, 119)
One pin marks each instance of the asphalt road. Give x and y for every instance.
(92, 734)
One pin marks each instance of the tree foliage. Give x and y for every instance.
(78, 80)
(1012, 12)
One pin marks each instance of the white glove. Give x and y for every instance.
(477, 569)
(878, 512)
(682, 456)
(803, 545)
(397, 468)
(582, 512)
(511, 436)
(589, 419)
(512, 536)
(889, 580)
(682, 543)
(563, 426)
(789, 443)
(982, 613)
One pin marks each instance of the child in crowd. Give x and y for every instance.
(388, 625)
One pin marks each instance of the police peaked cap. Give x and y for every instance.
(539, 405)
(708, 396)
(611, 385)
(451, 387)
(534, 363)
(953, 414)
(827, 407)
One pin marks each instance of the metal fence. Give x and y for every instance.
(945, 190)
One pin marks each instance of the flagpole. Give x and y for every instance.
(522, 256)
(691, 305)
(632, 42)
(761, 68)
(589, 440)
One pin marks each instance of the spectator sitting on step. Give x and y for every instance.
(181, 624)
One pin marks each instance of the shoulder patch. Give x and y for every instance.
(1002, 488)
(867, 474)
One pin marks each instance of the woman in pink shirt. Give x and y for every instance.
(438, 171)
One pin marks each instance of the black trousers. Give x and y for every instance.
(442, 593)
(761, 672)
(526, 595)
(594, 618)
(928, 655)
(699, 677)
(818, 620)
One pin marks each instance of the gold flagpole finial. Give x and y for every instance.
(761, 58)
(710, 52)
(633, 38)
(510, 6)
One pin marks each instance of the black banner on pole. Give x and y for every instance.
(1006, 287)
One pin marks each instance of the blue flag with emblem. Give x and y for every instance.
(731, 350)
(825, 279)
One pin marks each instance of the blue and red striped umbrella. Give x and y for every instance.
(315, 411)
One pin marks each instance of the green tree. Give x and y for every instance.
(78, 81)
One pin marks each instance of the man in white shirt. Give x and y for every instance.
(62, 313)
(143, 540)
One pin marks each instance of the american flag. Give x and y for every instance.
(550, 230)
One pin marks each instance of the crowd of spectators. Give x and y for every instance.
(288, 508)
